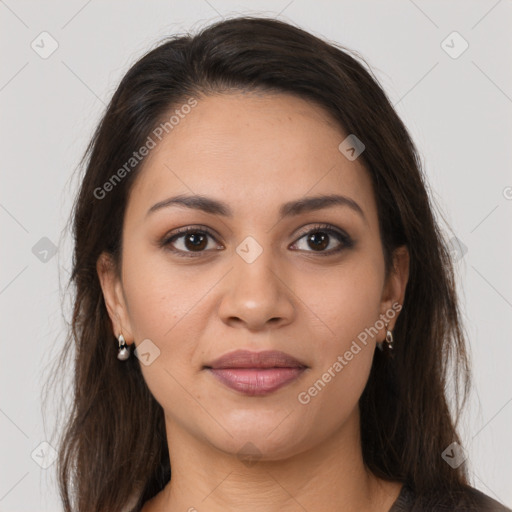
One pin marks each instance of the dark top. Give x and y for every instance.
(471, 500)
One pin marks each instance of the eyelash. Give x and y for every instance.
(342, 237)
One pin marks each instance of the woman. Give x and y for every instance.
(265, 313)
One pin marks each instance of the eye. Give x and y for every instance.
(321, 237)
(188, 241)
(191, 241)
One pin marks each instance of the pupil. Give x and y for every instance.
(196, 240)
(322, 243)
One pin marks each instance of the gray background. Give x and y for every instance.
(458, 111)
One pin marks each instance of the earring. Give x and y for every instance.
(124, 350)
(389, 338)
(388, 341)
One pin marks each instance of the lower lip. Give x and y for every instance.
(256, 381)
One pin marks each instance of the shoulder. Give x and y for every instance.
(481, 502)
(468, 499)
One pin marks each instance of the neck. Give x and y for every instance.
(205, 478)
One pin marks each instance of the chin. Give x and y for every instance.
(265, 438)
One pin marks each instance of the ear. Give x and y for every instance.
(394, 289)
(114, 297)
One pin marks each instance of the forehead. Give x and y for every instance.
(251, 150)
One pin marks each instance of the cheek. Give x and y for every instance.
(347, 301)
(344, 301)
(164, 306)
(157, 295)
(344, 357)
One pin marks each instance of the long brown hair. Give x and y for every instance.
(113, 452)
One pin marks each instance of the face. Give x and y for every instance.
(263, 268)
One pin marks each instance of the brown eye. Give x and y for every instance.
(320, 238)
(195, 241)
(188, 241)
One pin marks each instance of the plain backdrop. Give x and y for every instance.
(453, 91)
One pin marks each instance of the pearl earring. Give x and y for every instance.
(124, 350)
(388, 341)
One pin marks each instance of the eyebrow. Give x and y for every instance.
(289, 209)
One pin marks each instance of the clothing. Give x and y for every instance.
(408, 502)
(472, 500)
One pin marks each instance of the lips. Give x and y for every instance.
(256, 373)
(247, 359)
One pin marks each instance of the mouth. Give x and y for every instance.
(256, 373)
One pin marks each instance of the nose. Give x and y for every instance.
(257, 296)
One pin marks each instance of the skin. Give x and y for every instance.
(255, 152)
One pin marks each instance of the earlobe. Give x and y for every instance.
(113, 296)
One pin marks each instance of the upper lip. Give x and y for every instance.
(248, 359)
